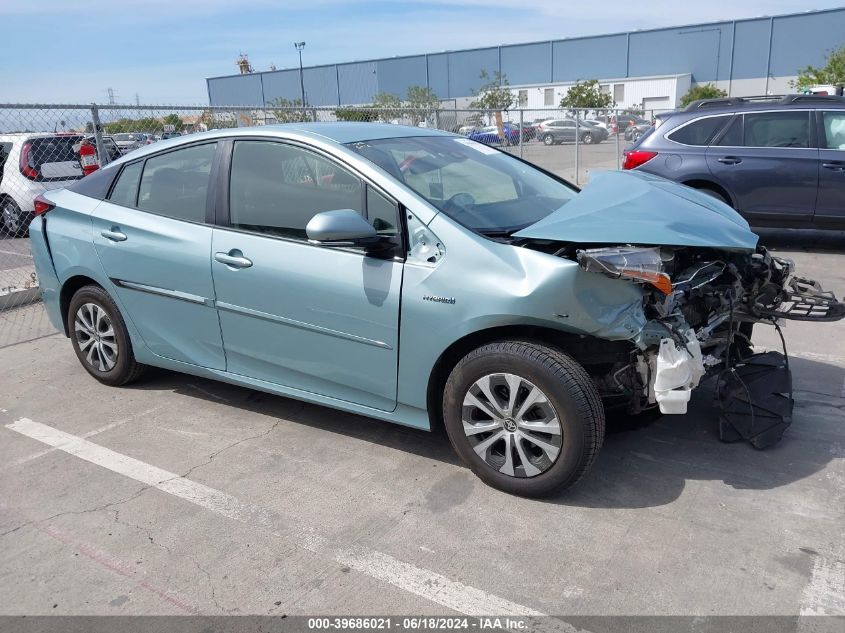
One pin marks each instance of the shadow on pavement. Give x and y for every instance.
(639, 466)
(802, 239)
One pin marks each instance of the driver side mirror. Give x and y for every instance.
(343, 227)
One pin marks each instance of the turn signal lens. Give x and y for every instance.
(628, 262)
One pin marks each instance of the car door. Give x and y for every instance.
(830, 204)
(768, 161)
(308, 317)
(155, 246)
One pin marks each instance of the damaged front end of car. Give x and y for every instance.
(700, 306)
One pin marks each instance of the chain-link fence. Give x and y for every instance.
(50, 146)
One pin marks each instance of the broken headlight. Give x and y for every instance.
(640, 264)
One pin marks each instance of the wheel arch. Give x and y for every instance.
(701, 183)
(69, 288)
(576, 345)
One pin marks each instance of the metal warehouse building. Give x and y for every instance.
(745, 57)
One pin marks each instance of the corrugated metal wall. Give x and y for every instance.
(718, 51)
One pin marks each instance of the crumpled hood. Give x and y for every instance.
(638, 208)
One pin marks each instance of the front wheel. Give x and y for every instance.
(548, 139)
(526, 418)
(99, 337)
(587, 138)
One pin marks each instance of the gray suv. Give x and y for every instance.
(779, 161)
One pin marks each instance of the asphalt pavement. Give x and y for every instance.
(180, 495)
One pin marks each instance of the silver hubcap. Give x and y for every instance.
(95, 335)
(512, 425)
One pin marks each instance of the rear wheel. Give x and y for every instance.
(13, 219)
(548, 139)
(525, 418)
(587, 138)
(99, 337)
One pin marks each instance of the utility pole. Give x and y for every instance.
(299, 46)
(110, 92)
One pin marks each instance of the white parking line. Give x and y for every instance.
(825, 594)
(421, 582)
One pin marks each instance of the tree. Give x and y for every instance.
(586, 94)
(389, 106)
(422, 97)
(289, 110)
(702, 91)
(175, 120)
(495, 94)
(363, 113)
(833, 72)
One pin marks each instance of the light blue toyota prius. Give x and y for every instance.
(423, 278)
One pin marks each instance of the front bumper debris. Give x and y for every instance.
(755, 400)
(804, 300)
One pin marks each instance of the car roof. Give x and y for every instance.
(339, 133)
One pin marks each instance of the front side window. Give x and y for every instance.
(834, 130)
(699, 132)
(480, 187)
(777, 129)
(125, 190)
(277, 188)
(175, 184)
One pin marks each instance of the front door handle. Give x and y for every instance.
(835, 165)
(729, 160)
(114, 234)
(233, 258)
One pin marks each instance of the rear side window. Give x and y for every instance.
(125, 190)
(277, 188)
(176, 184)
(699, 132)
(777, 129)
(834, 130)
(732, 136)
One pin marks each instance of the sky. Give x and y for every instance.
(71, 51)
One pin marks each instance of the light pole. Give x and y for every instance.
(299, 46)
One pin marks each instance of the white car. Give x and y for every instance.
(598, 123)
(30, 164)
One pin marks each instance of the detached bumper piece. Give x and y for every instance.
(805, 301)
(755, 400)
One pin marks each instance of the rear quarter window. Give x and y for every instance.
(700, 132)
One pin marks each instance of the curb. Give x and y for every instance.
(18, 297)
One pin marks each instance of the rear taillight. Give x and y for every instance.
(26, 168)
(42, 205)
(636, 157)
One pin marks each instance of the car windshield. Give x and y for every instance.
(486, 190)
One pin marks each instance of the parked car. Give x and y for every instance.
(636, 130)
(111, 149)
(555, 131)
(599, 123)
(404, 273)
(30, 164)
(619, 123)
(167, 135)
(489, 135)
(129, 141)
(778, 161)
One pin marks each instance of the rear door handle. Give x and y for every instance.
(114, 234)
(835, 165)
(729, 160)
(233, 258)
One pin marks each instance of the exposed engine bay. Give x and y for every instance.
(701, 306)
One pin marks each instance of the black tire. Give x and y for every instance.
(715, 194)
(14, 221)
(548, 139)
(570, 391)
(125, 369)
